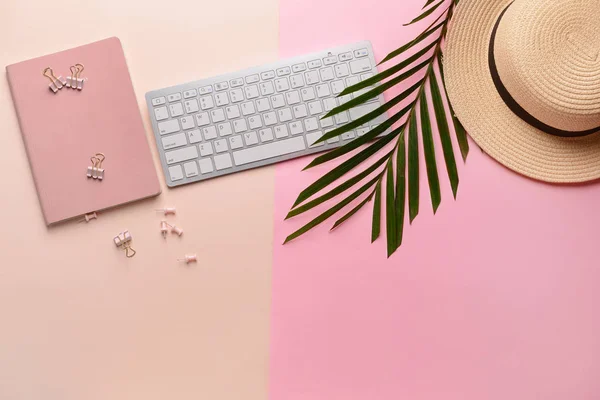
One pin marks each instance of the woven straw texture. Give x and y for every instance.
(548, 56)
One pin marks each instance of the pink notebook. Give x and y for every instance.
(63, 130)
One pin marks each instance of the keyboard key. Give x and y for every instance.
(337, 87)
(161, 113)
(202, 119)
(248, 108)
(217, 115)
(225, 129)
(282, 84)
(263, 105)
(236, 82)
(346, 98)
(172, 126)
(250, 138)
(326, 122)
(345, 56)
(323, 90)
(308, 93)
(358, 66)
(223, 161)
(191, 169)
(314, 64)
(292, 97)
(221, 86)
(362, 131)
(194, 136)
(235, 142)
(341, 118)
(176, 109)
(252, 79)
(170, 142)
(334, 139)
(311, 124)
(205, 90)
(232, 112)
(312, 77)
(174, 97)
(210, 132)
(239, 125)
(255, 122)
(298, 67)
(360, 53)
(269, 150)
(185, 154)
(176, 173)
(221, 99)
(158, 101)
(329, 104)
(236, 95)
(281, 131)
(251, 92)
(341, 70)
(205, 149)
(267, 75)
(270, 118)
(191, 106)
(206, 102)
(330, 60)
(296, 128)
(353, 80)
(187, 123)
(278, 101)
(300, 111)
(266, 88)
(285, 115)
(190, 93)
(348, 135)
(297, 81)
(266, 135)
(283, 71)
(221, 146)
(206, 165)
(327, 74)
(313, 137)
(359, 111)
(315, 107)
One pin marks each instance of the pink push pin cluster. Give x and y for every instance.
(189, 258)
(166, 227)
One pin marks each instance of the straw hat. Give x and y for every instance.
(523, 77)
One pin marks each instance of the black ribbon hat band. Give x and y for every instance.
(514, 106)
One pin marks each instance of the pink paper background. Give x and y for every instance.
(496, 297)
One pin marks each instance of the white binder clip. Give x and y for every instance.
(75, 81)
(96, 171)
(123, 241)
(55, 83)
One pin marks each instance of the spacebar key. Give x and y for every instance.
(270, 150)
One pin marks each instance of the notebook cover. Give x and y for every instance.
(63, 130)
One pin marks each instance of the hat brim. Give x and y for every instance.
(488, 120)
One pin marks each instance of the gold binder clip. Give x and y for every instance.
(55, 83)
(123, 241)
(78, 79)
(95, 171)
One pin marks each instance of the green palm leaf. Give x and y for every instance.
(401, 177)
(429, 149)
(444, 130)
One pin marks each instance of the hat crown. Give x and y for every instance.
(547, 54)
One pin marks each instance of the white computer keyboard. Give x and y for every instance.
(258, 116)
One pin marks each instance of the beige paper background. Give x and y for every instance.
(78, 319)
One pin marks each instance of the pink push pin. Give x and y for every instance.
(189, 258)
(88, 217)
(176, 230)
(167, 210)
(164, 229)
